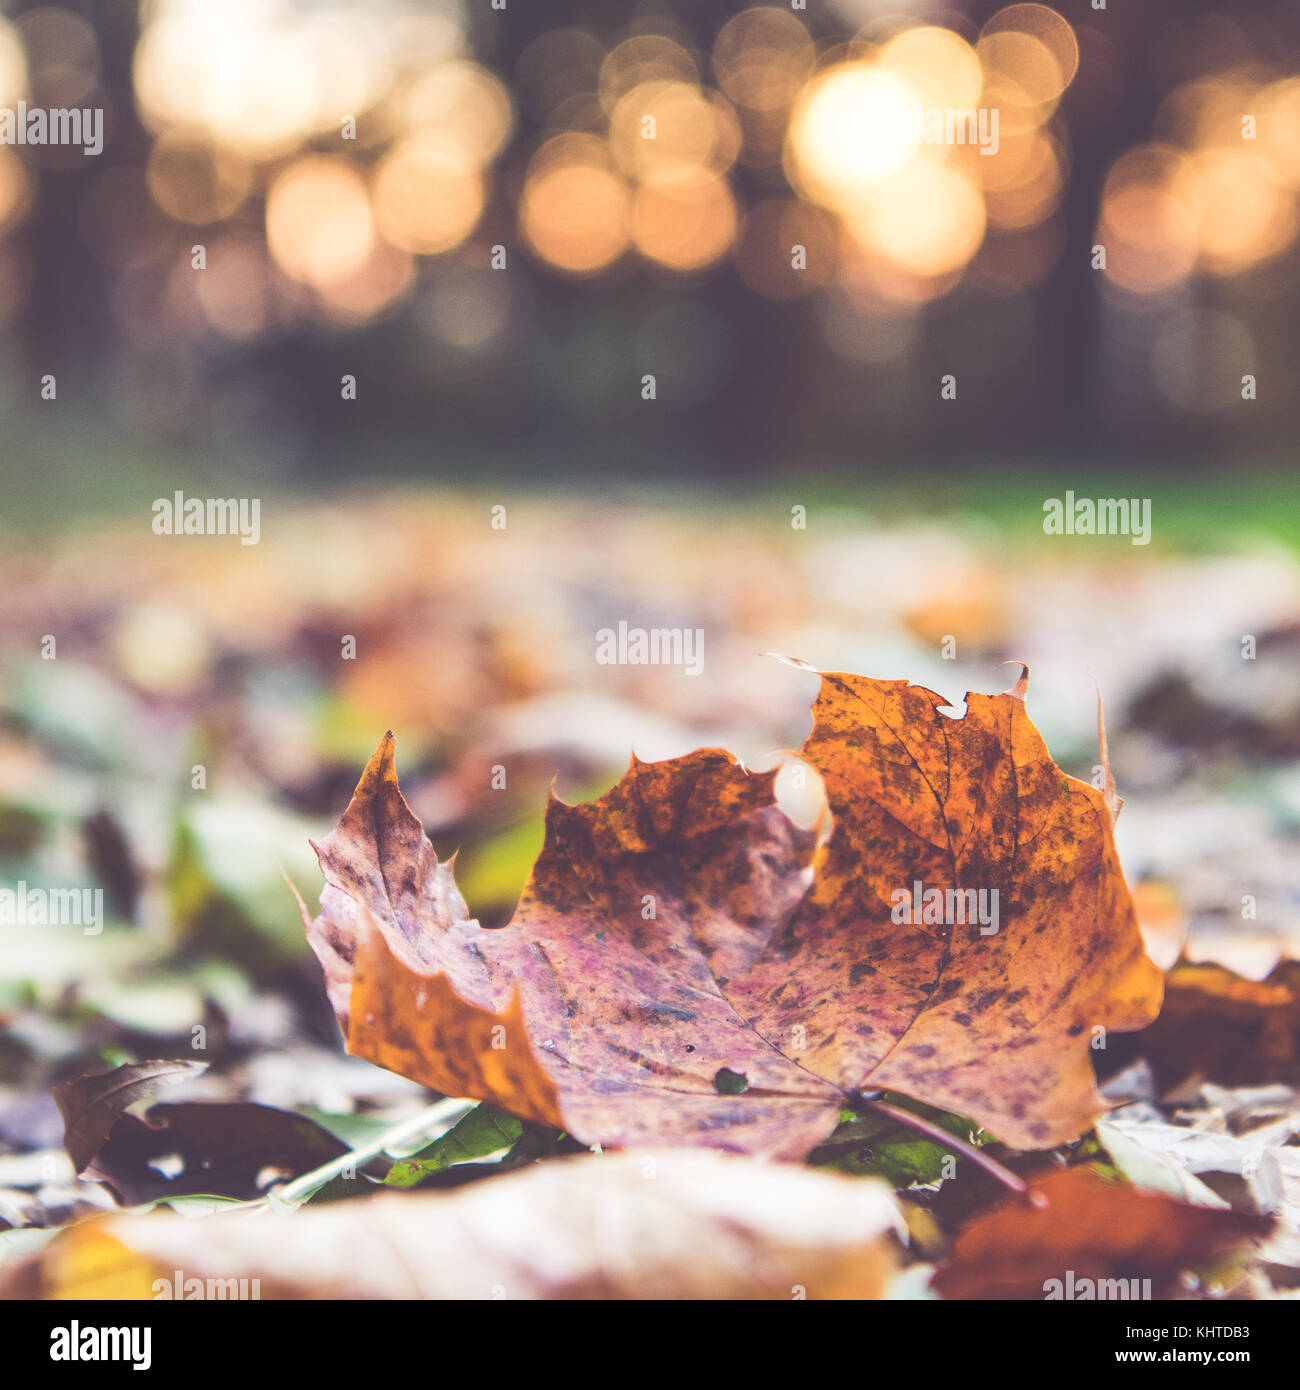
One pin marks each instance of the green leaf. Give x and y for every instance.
(354, 1130)
(483, 1131)
(874, 1145)
(342, 1189)
(900, 1158)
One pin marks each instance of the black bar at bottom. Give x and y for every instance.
(370, 1339)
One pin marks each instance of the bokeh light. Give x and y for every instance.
(928, 221)
(576, 207)
(849, 131)
(644, 58)
(761, 58)
(685, 223)
(319, 224)
(1024, 192)
(195, 180)
(1279, 118)
(663, 131)
(1240, 212)
(237, 294)
(461, 107)
(1046, 27)
(243, 83)
(13, 65)
(366, 289)
(1215, 194)
(15, 190)
(938, 65)
(1146, 233)
(380, 152)
(787, 248)
(426, 200)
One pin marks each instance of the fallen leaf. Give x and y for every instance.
(92, 1104)
(670, 976)
(174, 1150)
(1088, 1230)
(1224, 1028)
(1196, 1150)
(217, 1148)
(482, 1132)
(1150, 1166)
(1244, 1107)
(660, 1224)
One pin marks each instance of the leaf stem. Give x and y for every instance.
(990, 1165)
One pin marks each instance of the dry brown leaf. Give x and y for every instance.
(659, 1224)
(1221, 1027)
(668, 947)
(1086, 1230)
(92, 1104)
(222, 1148)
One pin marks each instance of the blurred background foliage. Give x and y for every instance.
(522, 130)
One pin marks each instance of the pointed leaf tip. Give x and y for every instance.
(1114, 802)
(1021, 687)
(796, 662)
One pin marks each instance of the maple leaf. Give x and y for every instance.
(659, 1224)
(1082, 1227)
(683, 969)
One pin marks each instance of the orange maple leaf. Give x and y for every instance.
(680, 934)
